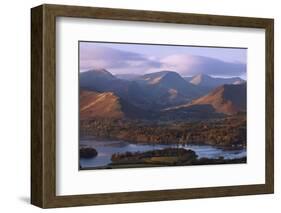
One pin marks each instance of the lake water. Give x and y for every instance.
(107, 148)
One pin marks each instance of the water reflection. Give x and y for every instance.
(107, 148)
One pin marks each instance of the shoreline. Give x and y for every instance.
(142, 165)
(222, 147)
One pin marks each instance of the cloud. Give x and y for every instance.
(123, 62)
(191, 65)
(96, 56)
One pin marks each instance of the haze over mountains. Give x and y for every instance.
(157, 94)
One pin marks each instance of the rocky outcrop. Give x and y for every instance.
(88, 152)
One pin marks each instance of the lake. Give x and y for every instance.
(106, 148)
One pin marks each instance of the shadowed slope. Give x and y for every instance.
(168, 87)
(227, 99)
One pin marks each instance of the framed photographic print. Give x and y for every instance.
(137, 106)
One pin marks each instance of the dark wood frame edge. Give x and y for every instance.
(43, 105)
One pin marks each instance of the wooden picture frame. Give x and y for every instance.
(43, 105)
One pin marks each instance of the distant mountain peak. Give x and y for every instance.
(168, 72)
(160, 73)
(198, 79)
(213, 82)
(98, 73)
(166, 87)
(157, 77)
(100, 70)
(171, 74)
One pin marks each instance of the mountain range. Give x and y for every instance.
(168, 88)
(208, 83)
(103, 94)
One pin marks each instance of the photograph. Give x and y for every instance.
(133, 105)
(154, 105)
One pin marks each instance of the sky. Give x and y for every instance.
(124, 58)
